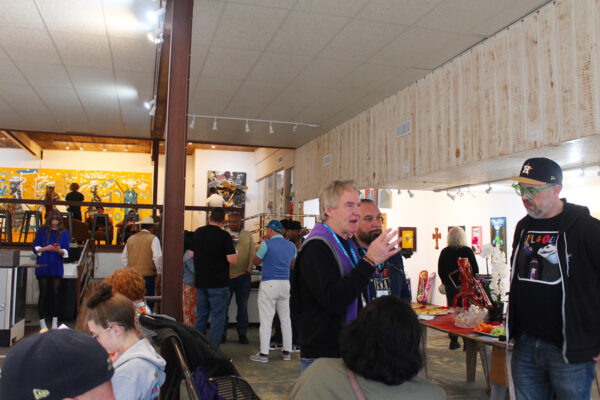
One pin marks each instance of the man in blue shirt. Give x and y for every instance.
(277, 256)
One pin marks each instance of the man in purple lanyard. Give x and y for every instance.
(330, 276)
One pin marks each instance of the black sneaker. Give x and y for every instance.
(224, 339)
(275, 346)
(454, 345)
(243, 339)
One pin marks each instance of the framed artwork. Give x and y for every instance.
(384, 198)
(383, 222)
(230, 185)
(476, 239)
(409, 237)
(498, 233)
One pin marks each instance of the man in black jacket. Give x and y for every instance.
(554, 305)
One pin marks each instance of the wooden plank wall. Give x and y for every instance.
(533, 84)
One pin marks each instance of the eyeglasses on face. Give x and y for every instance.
(528, 191)
(95, 335)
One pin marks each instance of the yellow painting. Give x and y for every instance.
(104, 186)
(409, 238)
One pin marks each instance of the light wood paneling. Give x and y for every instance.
(533, 85)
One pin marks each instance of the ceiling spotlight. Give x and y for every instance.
(189, 143)
(399, 191)
(149, 104)
(153, 111)
(489, 189)
(271, 131)
(193, 123)
(294, 127)
(81, 147)
(247, 127)
(155, 37)
(411, 194)
(452, 196)
(67, 147)
(214, 127)
(103, 147)
(459, 193)
(126, 148)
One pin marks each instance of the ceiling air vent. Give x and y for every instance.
(403, 129)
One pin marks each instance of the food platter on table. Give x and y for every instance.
(430, 309)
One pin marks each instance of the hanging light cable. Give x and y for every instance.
(214, 127)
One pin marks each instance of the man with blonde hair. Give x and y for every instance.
(330, 277)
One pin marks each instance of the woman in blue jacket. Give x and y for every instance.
(51, 245)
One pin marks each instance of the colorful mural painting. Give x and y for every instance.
(104, 186)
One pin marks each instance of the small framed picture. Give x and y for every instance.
(476, 239)
(409, 238)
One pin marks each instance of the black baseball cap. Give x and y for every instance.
(53, 365)
(540, 170)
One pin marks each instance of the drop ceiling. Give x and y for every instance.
(86, 67)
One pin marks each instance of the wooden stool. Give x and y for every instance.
(6, 225)
(27, 222)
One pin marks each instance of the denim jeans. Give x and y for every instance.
(538, 369)
(241, 287)
(211, 301)
(305, 363)
(150, 282)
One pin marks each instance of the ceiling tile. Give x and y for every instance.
(455, 46)
(461, 16)
(369, 76)
(212, 95)
(73, 16)
(137, 119)
(28, 45)
(324, 73)
(360, 39)
(517, 10)
(98, 102)
(405, 79)
(247, 27)
(21, 14)
(83, 50)
(59, 98)
(125, 21)
(404, 12)
(329, 103)
(305, 34)
(19, 94)
(133, 54)
(108, 126)
(252, 98)
(197, 58)
(45, 74)
(277, 68)
(92, 78)
(345, 8)
(296, 97)
(229, 63)
(207, 14)
(37, 117)
(3, 55)
(407, 49)
(141, 82)
(9, 73)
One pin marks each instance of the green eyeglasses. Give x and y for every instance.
(529, 192)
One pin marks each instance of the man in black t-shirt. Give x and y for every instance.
(213, 252)
(554, 304)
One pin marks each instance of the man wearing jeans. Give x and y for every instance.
(240, 275)
(276, 255)
(554, 303)
(213, 252)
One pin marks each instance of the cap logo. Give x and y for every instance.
(526, 169)
(552, 178)
(40, 393)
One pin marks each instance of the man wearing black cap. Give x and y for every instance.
(554, 303)
(58, 364)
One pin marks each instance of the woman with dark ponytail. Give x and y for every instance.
(51, 245)
(139, 370)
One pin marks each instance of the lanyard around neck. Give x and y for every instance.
(354, 258)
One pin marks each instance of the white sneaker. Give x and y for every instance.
(295, 349)
(261, 358)
(286, 355)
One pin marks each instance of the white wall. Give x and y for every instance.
(215, 160)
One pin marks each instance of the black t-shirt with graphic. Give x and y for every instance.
(538, 282)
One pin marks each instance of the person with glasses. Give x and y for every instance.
(554, 303)
(139, 370)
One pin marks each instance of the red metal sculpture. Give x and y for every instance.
(471, 290)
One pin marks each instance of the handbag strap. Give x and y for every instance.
(355, 387)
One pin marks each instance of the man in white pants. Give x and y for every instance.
(277, 256)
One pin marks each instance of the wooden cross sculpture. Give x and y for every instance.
(437, 236)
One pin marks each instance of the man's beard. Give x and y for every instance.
(368, 237)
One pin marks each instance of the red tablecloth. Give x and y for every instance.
(447, 322)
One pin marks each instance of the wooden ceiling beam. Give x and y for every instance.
(23, 140)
